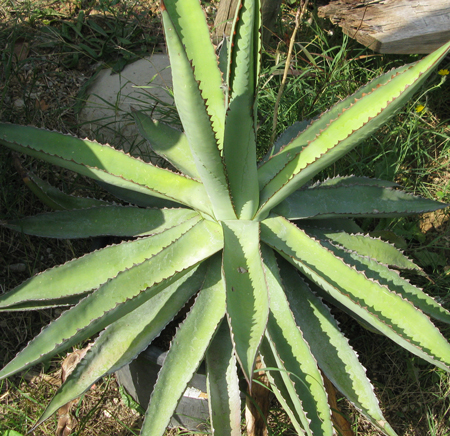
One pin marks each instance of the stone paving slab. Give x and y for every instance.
(106, 116)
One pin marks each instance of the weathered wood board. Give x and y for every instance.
(225, 15)
(393, 26)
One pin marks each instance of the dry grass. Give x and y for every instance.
(100, 412)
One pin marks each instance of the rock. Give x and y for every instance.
(17, 267)
(19, 103)
(106, 116)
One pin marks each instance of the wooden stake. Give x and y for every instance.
(257, 404)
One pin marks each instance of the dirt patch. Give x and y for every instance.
(437, 221)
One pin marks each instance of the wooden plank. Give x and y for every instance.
(393, 26)
(226, 12)
(224, 19)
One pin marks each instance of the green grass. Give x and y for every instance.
(413, 149)
(69, 39)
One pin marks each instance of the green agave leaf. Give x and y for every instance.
(189, 22)
(186, 351)
(224, 64)
(391, 237)
(295, 352)
(331, 224)
(44, 303)
(330, 347)
(104, 163)
(367, 246)
(240, 128)
(54, 198)
(168, 142)
(295, 143)
(124, 339)
(392, 279)
(121, 295)
(353, 201)
(137, 198)
(283, 386)
(355, 180)
(246, 45)
(247, 293)
(223, 385)
(100, 221)
(196, 120)
(66, 283)
(381, 308)
(344, 308)
(322, 144)
(11, 433)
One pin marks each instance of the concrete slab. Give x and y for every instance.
(146, 85)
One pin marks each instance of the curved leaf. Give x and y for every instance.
(54, 198)
(121, 295)
(196, 121)
(384, 310)
(353, 201)
(393, 281)
(283, 387)
(167, 142)
(301, 137)
(79, 276)
(104, 163)
(340, 130)
(295, 352)
(137, 198)
(101, 221)
(223, 385)
(335, 356)
(186, 351)
(124, 339)
(367, 246)
(247, 293)
(240, 127)
(188, 20)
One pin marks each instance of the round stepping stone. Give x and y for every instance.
(144, 85)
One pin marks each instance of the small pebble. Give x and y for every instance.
(19, 103)
(18, 267)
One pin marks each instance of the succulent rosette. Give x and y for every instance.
(260, 250)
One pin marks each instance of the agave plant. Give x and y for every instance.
(263, 249)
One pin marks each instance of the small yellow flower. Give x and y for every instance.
(443, 72)
(420, 108)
